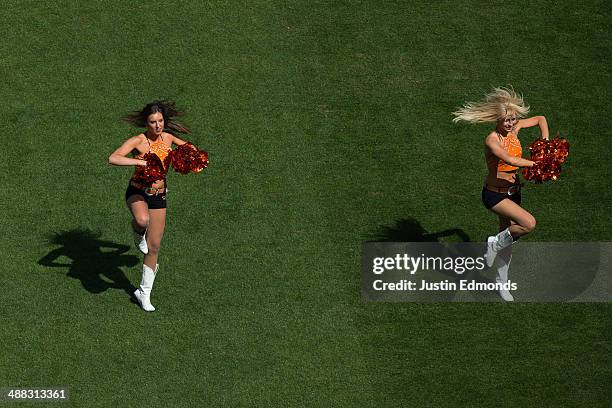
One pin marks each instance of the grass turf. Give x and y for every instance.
(326, 123)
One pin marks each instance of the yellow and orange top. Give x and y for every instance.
(160, 149)
(512, 145)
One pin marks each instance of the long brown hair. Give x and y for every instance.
(167, 109)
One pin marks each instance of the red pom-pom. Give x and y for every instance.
(548, 156)
(154, 170)
(187, 158)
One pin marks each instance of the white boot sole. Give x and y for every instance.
(506, 295)
(145, 303)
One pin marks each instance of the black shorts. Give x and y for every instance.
(491, 198)
(155, 202)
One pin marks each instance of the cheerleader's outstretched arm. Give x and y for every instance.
(535, 120)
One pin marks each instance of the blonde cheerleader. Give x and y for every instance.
(501, 192)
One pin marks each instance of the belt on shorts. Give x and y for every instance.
(505, 190)
(150, 191)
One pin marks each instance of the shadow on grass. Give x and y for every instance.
(96, 263)
(410, 230)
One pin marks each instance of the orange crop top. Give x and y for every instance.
(513, 146)
(158, 148)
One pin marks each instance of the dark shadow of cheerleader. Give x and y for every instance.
(96, 263)
(410, 230)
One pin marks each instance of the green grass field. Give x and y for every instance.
(328, 124)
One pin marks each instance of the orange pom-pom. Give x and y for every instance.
(187, 158)
(548, 156)
(154, 170)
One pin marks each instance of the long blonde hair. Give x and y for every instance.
(497, 105)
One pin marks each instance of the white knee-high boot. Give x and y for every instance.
(496, 243)
(140, 240)
(503, 264)
(143, 293)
